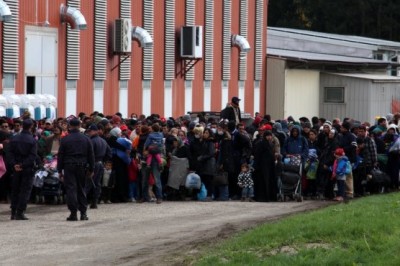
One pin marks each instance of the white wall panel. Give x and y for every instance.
(207, 95)
(241, 94)
(70, 106)
(168, 98)
(146, 98)
(257, 94)
(188, 96)
(225, 94)
(98, 100)
(302, 93)
(123, 102)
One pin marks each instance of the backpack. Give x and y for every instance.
(348, 168)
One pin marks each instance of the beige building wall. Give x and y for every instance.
(301, 93)
(275, 87)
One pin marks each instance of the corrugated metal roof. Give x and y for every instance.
(300, 56)
(373, 77)
(355, 40)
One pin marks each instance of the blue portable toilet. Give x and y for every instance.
(51, 106)
(28, 103)
(3, 105)
(40, 107)
(14, 105)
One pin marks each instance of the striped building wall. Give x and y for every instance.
(90, 76)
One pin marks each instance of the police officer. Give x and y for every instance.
(76, 159)
(102, 153)
(22, 157)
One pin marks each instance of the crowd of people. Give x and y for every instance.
(111, 159)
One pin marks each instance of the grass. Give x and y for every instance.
(362, 232)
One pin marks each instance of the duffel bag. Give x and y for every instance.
(379, 177)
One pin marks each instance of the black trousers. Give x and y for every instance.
(95, 185)
(22, 183)
(75, 183)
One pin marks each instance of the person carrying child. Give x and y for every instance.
(154, 145)
(340, 170)
(245, 181)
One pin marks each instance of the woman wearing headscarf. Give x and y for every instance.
(202, 150)
(179, 162)
(324, 183)
(265, 182)
(121, 149)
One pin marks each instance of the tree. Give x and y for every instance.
(369, 18)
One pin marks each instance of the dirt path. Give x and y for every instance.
(129, 234)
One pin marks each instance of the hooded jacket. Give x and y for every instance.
(296, 145)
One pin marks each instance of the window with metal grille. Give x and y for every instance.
(334, 94)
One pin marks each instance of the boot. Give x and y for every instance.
(84, 217)
(93, 205)
(72, 217)
(21, 216)
(13, 214)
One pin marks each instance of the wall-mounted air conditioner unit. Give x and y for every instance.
(192, 42)
(122, 36)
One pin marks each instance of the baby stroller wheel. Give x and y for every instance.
(60, 199)
(279, 198)
(299, 198)
(55, 200)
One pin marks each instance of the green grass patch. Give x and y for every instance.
(362, 232)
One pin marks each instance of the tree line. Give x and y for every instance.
(368, 18)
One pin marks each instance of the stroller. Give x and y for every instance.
(289, 179)
(48, 184)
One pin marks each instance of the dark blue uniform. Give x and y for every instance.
(22, 152)
(102, 153)
(76, 158)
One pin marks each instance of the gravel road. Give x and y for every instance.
(130, 234)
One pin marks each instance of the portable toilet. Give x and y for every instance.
(28, 103)
(51, 106)
(14, 105)
(40, 108)
(3, 105)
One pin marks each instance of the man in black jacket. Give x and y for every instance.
(102, 154)
(232, 111)
(76, 159)
(22, 156)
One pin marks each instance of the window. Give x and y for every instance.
(334, 95)
(71, 83)
(378, 56)
(8, 81)
(30, 85)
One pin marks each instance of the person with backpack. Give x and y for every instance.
(348, 142)
(340, 170)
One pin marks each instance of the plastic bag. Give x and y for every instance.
(202, 195)
(193, 181)
(40, 175)
(311, 168)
